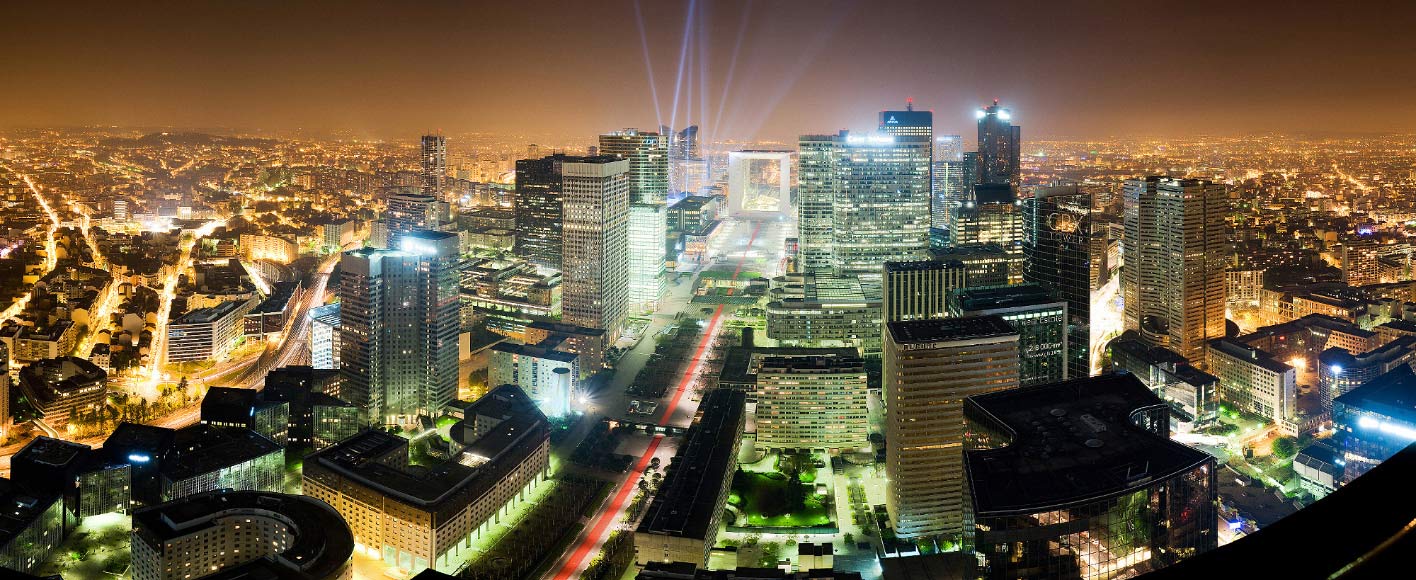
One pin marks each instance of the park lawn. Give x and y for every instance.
(760, 497)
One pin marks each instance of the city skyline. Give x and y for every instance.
(704, 289)
(1241, 68)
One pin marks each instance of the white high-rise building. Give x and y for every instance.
(881, 204)
(816, 198)
(648, 235)
(595, 255)
(930, 367)
(648, 157)
(398, 327)
(1175, 246)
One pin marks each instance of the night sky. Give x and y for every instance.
(393, 69)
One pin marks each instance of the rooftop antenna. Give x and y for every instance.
(909, 103)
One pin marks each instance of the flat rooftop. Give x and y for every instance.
(923, 265)
(947, 329)
(738, 367)
(1003, 297)
(687, 500)
(519, 432)
(1393, 394)
(1249, 354)
(210, 314)
(1070, 442)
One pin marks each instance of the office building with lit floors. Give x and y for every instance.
(880, 211)
(920, 290)
(399, 327)
(1252, 380)
(595, 248)
(815, 403)
(1176, 249)
(416, 517)
(1375, 421)
(1340, 371)
(816, 198)
(682, 521)
(238, 535)
(1079, 479)
(1036, 314)
(930, 367)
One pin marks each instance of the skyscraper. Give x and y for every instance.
(648, 156)
(816, 198)
(434, 166)
(398, 327)
(999, 146)
(950, 191)
(930, 367)
(407, 212)
(1036, 314)
(881, 203)
(920, 290)
(992, 216)
(1173, 283)
(909, 123)
(538, 211)
(595, 254)
(1057, 231)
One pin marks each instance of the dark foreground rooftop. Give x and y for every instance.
(1073, 441)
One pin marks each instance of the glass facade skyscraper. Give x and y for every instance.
(1057, 232)
(881, 203)
(648, 156)
(539, 223)
(999, 146)
(816, 198)
(398, 327)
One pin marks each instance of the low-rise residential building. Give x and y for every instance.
(241, 534)
(207, 333)
(63, 388)
(427, 517)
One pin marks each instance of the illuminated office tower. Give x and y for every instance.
(999, 146)
(1038, 316)
(648, 230)
(434, 166)
(538, 211)
(1057, 244)
(595, 249)
(5, 419)
(949, 148)
(993, 216)
(881, 204)
(930, 367)
(398, 326)
(408, 212)
(920, 290)
(909, 123)
(949, 191)
(816, 198)
(1175, 246)
(648, 156)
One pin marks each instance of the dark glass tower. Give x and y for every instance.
(999, 146)
(539, 221)
(1056, 250)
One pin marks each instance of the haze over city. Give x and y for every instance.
(1094, 69)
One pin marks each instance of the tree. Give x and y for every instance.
(1285, 447)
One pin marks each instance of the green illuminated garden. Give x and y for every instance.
(783, 495)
